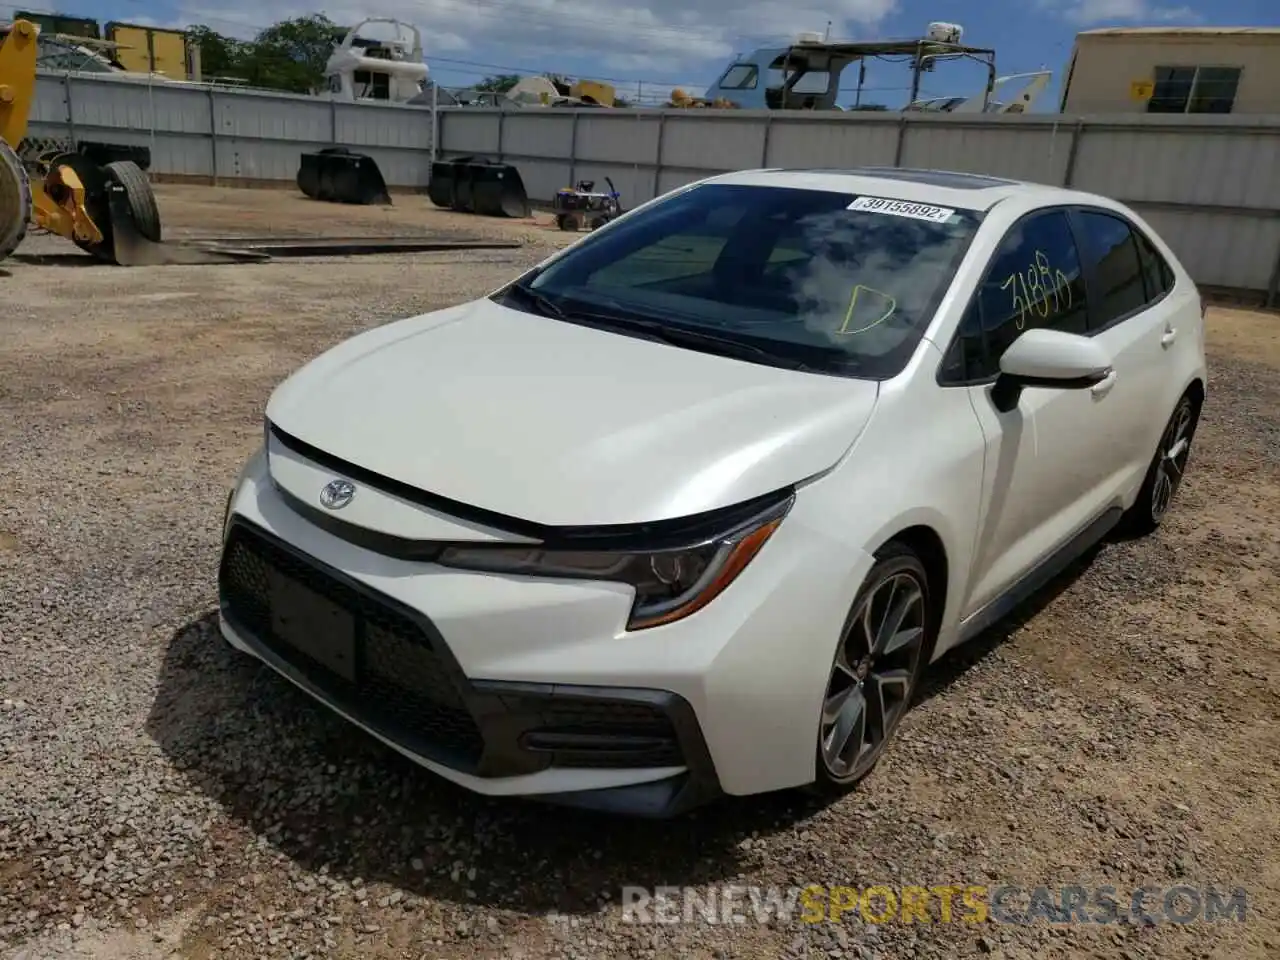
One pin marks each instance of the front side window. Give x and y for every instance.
(741, 76)
(1034, 281)
(1113, 255)
(772, 274)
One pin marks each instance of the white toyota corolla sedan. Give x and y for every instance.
(688, 509)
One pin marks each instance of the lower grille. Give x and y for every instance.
(600, 733)
(358, 652)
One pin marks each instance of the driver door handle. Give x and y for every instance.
(1170, 335)
(1103, 386)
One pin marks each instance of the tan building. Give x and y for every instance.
(1174, 70)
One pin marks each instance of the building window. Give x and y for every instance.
(1194, 90)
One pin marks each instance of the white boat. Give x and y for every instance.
(386, 69)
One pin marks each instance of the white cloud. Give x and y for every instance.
(1085, 13)
(654, 40)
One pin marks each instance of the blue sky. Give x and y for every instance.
(656, 45)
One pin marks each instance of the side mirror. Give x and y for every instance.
(1051, 359)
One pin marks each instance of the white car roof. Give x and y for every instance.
(960, 191)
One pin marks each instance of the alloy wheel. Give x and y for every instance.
(873, 677)
(1171, 460)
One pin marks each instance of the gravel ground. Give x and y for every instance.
(161, 796)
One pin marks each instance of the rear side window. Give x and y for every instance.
(1113, 254)
(1157, 276)
(1034, 281)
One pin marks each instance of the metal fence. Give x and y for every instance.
(221, 134)
(1209, 184)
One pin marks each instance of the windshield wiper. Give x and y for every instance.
(540, 302)
(676, 336)
(679, 336)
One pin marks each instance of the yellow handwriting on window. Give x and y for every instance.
(845, 327)
(1037, 292)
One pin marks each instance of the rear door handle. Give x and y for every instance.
(1170, 335)
(1103, 386)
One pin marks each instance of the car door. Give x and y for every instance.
(1133, 317)
(1048, 460)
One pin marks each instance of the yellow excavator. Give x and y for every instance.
(107, 210)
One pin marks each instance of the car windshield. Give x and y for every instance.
(809, 279)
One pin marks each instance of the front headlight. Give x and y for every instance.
(670, 583)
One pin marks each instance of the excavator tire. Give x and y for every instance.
(142, 199)
(15, 201)
(127, 176)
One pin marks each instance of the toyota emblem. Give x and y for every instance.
(336, 494)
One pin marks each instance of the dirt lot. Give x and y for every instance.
(162, 797)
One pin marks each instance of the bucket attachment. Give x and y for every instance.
(478, 185)
(339, 175)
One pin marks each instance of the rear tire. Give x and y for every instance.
(1165, 473)
(883, 651)
(15, 201)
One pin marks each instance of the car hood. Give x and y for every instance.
(559, 424)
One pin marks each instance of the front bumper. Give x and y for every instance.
(528, 687)
(399, 681)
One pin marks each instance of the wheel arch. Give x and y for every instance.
(1195, 389)
(924, 541)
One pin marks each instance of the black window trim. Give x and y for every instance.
(1088, 274)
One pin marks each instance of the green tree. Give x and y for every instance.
(498, 83)
(289, 55)
(292, 53)
(219, 56)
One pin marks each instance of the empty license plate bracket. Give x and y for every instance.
(313, 625)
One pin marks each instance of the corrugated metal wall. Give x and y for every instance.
(227, 134)
(1209, 184)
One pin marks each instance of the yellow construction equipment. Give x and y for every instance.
(107, 210)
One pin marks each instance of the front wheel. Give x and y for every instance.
(882, 653)
(1165, 473)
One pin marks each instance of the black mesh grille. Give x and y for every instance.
(363, 656)
(603, 733)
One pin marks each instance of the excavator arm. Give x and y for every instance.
(17, 80)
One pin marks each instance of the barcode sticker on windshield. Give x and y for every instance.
(902, 208)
